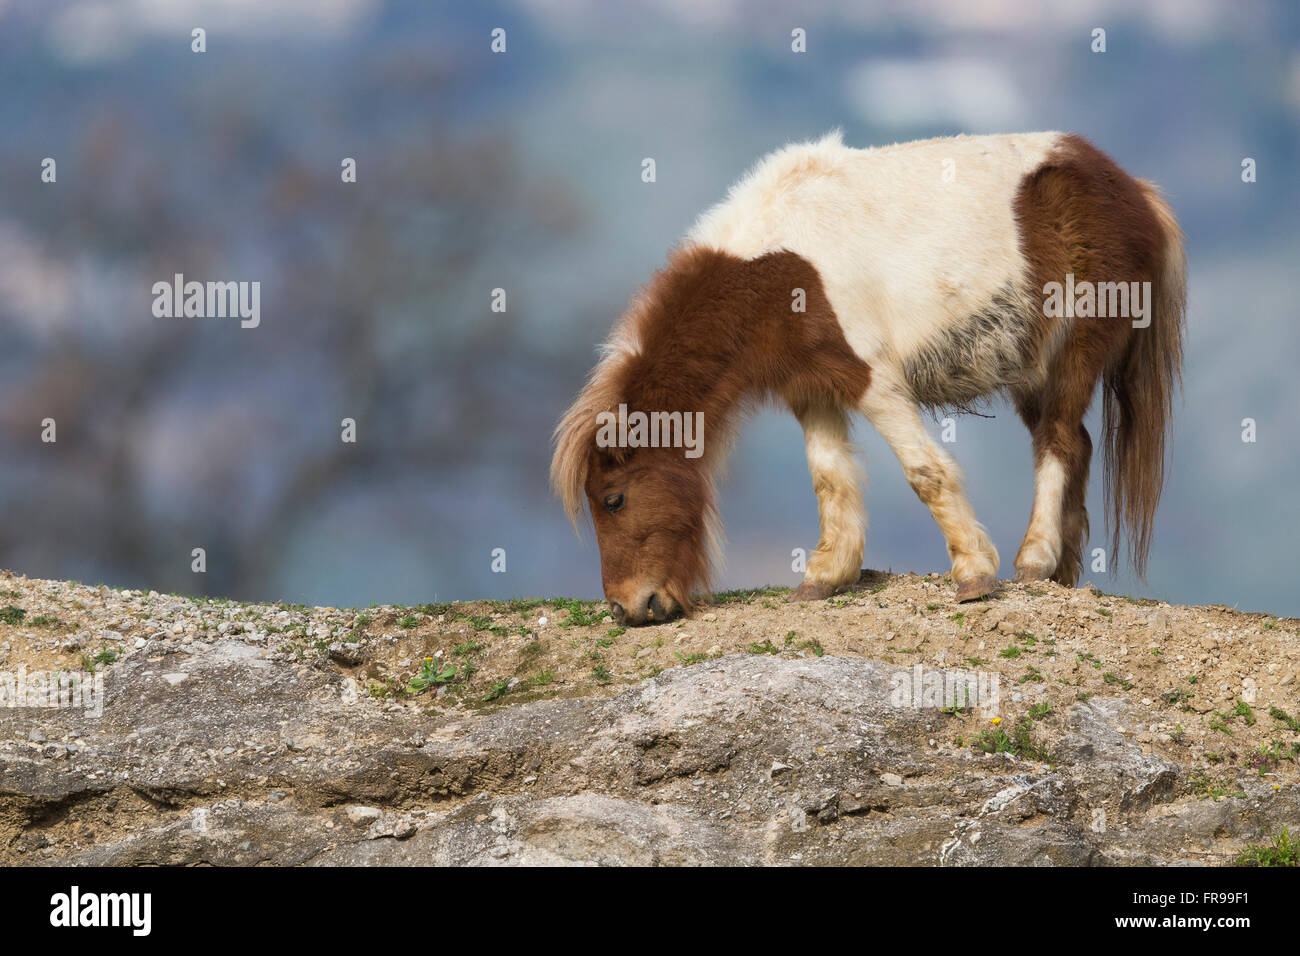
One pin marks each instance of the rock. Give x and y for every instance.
(350, 654)
(748, 759)
(404, 830)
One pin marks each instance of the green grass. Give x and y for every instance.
(1019, 742)
(1207, 787)
(693, 658)
(1280, 851)
(1277, 713)
(1110, 677)
(746, 595)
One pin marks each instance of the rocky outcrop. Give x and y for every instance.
(212, 751)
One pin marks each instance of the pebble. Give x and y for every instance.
(404, 830)
(359, 814)
(891, 780)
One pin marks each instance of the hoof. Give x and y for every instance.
(975, 588)
(1032, 572)
(813, 591)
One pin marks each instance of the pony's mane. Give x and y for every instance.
(669, 291)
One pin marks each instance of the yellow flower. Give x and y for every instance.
(997, 720)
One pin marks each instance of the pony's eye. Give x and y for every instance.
(613, 502)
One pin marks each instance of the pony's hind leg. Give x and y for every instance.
(937, 481)
(837, 481)
(1058, 525)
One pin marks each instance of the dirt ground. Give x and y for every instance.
(1212, 687)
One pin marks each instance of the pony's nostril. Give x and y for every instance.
(619, 613)
(657, 608)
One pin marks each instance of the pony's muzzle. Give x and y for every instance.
(651, 607)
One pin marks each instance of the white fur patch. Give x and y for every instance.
(908, 239)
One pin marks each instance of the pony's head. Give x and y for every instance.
(653, 511)
(652, 507)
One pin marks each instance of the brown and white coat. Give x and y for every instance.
(885, 281)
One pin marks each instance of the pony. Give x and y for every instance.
(888, 282)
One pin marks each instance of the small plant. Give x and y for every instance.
(581, 613)
(959, 706)
(407, 622)
(43, 620)
(1039, 711)
(1178, 696)
(1110, 677)
(601, 675)
(1280, 851)
(615, 631)
(1019, 742)
(433, 672)
(767, 647)
(1277, 713)
(12, 615)
(1011, 652)
(1243, 711)
(1212, 788)
(499, 689)
(691, 658)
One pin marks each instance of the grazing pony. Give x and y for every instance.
(886, 281)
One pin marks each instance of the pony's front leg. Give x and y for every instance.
(937, 481)
(837, 481)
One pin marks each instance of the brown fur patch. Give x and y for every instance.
(1080, 213)
(709, 334)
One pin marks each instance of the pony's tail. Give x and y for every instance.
(1138, 396)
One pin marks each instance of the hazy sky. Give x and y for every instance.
(522, 170)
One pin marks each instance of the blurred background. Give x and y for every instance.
(522, 171)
